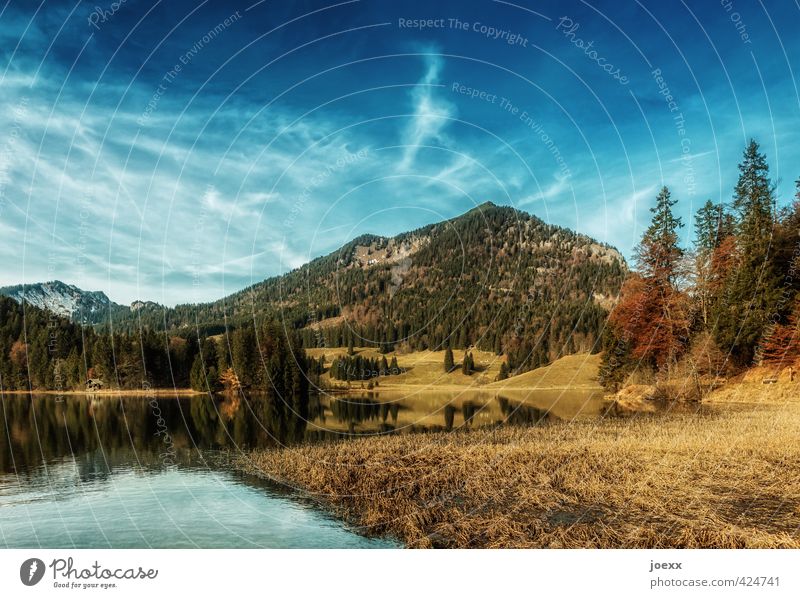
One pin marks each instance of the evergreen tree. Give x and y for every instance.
(467, 364)
(752, 291)
(244, 353)
(753, 200)
(449, 363)
(503, 375)
(712, 226)
(102, 360)
(197, 376)
(658, 255)
(463, 337)
(204, 375)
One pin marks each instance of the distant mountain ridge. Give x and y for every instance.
(494, 277)
(63, 299)
(70, 301)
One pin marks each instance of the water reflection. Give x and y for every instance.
(522, 414)
(164, 431)
(111, 501)
(87, 471)
(388, 411)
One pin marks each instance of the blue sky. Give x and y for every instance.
(291, 127)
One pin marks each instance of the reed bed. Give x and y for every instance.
(727, 480)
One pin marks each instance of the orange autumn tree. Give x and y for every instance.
(230, 380)
(650, 324)
(782, 346)
(652, 321)
(19, 354)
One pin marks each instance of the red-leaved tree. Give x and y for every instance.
(782, 346)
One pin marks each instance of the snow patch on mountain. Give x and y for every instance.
(62, 299)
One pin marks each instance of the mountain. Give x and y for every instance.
(89, 307)
(83, 307)
(495, 277)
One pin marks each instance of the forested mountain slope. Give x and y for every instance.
(495, 277)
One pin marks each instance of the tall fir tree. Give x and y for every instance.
(467, 365)
(658, 255)
(245, 355)
(751, 293)
(713, 225)
(503, 375)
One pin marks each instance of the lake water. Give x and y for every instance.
(430, 411)
(135, 472)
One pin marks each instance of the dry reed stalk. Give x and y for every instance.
(731, 480)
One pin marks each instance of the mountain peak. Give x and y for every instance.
(486, 206)
(62, 299)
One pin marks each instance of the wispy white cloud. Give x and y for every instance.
(557, 188)
(431, 112)
(106, 207)
(621, 216)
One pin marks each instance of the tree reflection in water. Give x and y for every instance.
(41, 428)
(521, 414)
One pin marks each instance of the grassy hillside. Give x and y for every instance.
(762, 385)
(571, 371)
(425, 369)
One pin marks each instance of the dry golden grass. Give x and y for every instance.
(782, 387)
(726, 480)
(572, 371)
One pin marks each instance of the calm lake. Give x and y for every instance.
(136, 472)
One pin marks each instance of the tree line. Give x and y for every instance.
(43, 351)
(729, 302)
(356, 367)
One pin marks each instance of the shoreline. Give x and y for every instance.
(158, 392)
(458, 388)
(665, 481)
